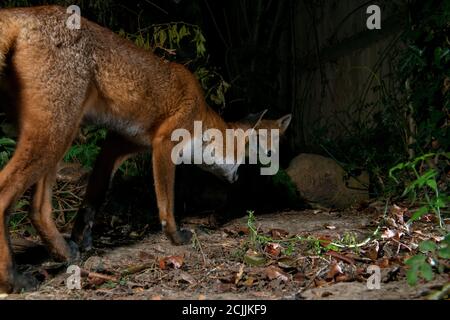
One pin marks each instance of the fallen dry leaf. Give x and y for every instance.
(175, 262)
(145, 256)
(286, 263)
(325, 241)
(319, 283)
(344, 278)
(429, 218)
(273, 249)
(299, 277)
(339, 256)
(187, 278)
(278, 234)
(255, 259)
(335, 270)
(326, 294)
(399, 213)
(249, 282)
(372, 252)
(225, 287)
(384, 263)
(273, 273)
(96, 281)
(243, 231)
(239, 274)
(388, 234)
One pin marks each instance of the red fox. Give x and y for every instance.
(62, 77)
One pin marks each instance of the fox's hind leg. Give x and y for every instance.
(41, 216)
(115, 150)
(36, 154)
(47, 126)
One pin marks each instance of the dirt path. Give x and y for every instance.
(213, 267)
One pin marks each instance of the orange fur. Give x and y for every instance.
(66, 76)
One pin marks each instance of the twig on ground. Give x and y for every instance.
(197, 244)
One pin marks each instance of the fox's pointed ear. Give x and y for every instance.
(284, 122)
(254, 119)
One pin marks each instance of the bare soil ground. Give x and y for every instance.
(220, 263)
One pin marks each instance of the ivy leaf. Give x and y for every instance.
(412, 276)
(426, 271)
(444, 253)
(447, 239)
(416, 260)
(427, 246)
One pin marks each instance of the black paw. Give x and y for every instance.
(23, 283)
(74, 252)
(86, 244)
(82, 229)
(83, 245)
(180, 237)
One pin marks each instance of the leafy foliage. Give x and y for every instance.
(411, 116)
(7, 147)
(425, 64)
(170, 38)
(421, 265)
(86, 149)
(424, 184)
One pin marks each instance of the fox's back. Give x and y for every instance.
(133, 85)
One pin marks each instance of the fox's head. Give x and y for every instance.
(221, 152)
(261, 138)
(265, 130)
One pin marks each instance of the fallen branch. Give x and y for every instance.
(88, 274)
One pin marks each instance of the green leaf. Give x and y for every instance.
(416, 260)
(426, 271)
(441, 202)
(419, 214)
(7, 142)
(432, 184)
(427, 246)
(412, 276)
(444, 253)
(21, 204)
(183, 31)
(423, 158)
(428, 176)
(447, 239)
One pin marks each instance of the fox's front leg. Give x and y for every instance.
(164, 176)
